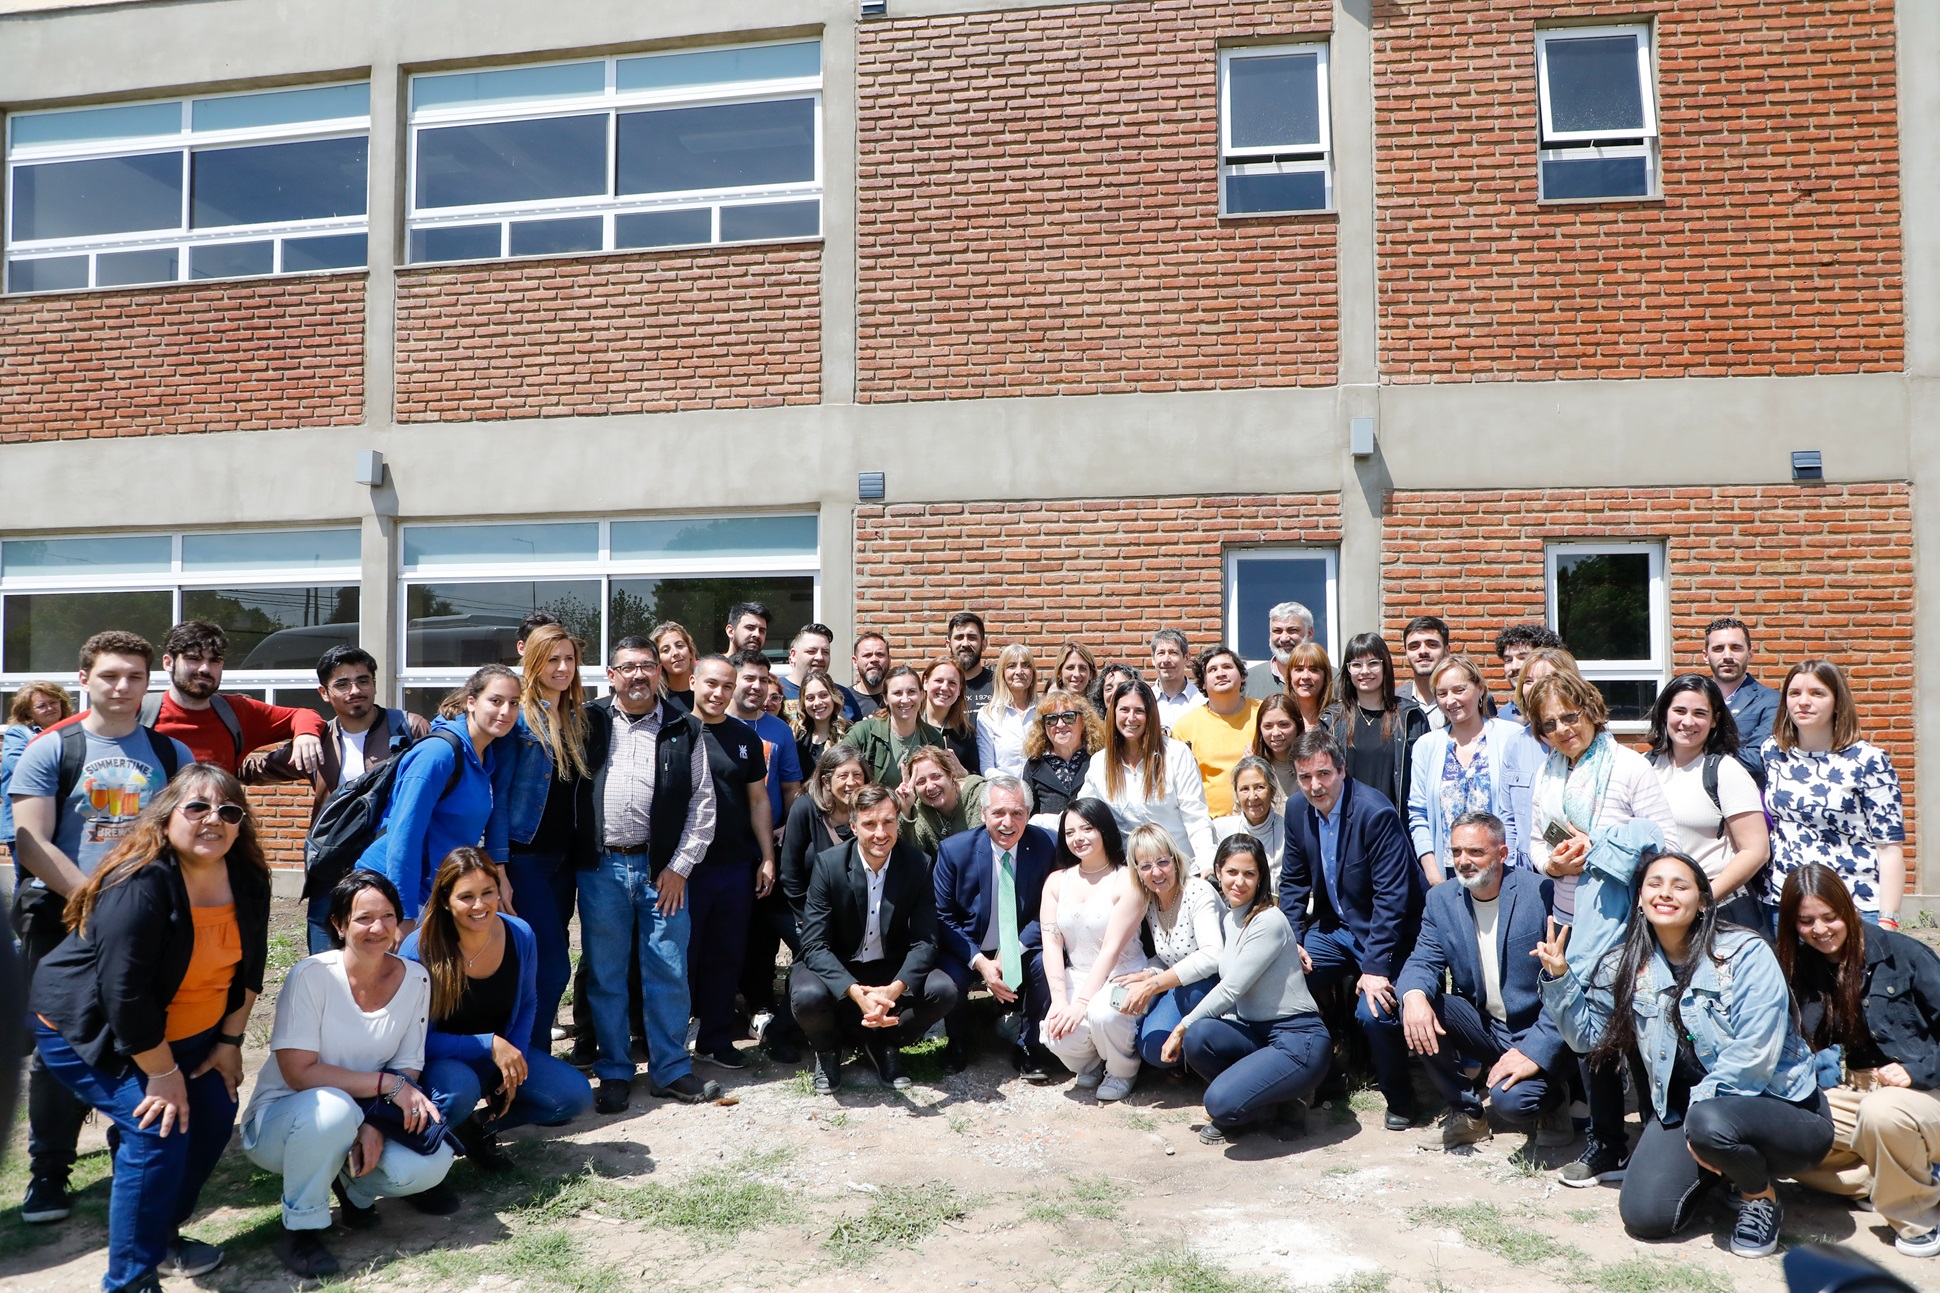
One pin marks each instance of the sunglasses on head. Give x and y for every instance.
(228, 814)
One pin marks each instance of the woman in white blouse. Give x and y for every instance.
(1146, 776)
(1262, 813)
(1182, 916)
(1720, 814)
(1005, 719)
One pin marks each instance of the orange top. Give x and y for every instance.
(203, 999)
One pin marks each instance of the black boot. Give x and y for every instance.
(480, 1142)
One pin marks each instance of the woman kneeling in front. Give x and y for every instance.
(338, 1106)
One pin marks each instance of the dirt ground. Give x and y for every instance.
(973, 1181)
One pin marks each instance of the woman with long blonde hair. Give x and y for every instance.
(1310, 683)
(1006, 717)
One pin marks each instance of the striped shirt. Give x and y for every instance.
(631, 761)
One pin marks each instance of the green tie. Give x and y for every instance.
(1010, 955)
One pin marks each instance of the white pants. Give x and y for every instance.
(1104, 1033)
(307, 1136)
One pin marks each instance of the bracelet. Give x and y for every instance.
(171, 1073)
(230, 1039)
(1889, 921)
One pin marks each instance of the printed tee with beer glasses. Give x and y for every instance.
(118, 777)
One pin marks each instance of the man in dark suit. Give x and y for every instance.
(1348, 851)
(868, 963)
(980, 940)
(1477, 934)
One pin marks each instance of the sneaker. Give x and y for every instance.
(438, 1201)
(828, 1072)
(1756, 1234)
(1458, 1127)
(1091, 1077)
(46, 1200)
(189, 1258)
(1114, 1088)
(687, 1089)
(1211, 1135)
(1927, 1245)
(889, 1064)
(613, 1095)
(758, 1026)
(349, 1215)
(1033, 1067)
(1555, 1128)
(725, 1057)
(1598, 1163)
(304, 1254)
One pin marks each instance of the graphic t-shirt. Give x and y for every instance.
(119, 775)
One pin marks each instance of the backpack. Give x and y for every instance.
(151, 709)
(352, 819)
(74, 753)
(1711, 762)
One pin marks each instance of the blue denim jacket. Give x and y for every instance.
(12, 745)
(522, 780)
(1738, 1015)
(1605, 892)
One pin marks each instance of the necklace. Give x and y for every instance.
(480, 952)
(1093, 875)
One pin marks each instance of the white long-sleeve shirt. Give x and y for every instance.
(1000, 739)
(1178, 805)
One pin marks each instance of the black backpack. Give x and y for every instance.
(353, 818)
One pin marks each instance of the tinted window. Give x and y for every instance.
(45, 630)
(279, 627)
(1603, 605)
(702, 605)
(771, 220)
(466, 625)
(461, 242)
(717, 147)
(110, 195)
(128, 268)
(1295, 191)
(1265, 582)
(1596, 177)
(1274, 101)
(663, 228)
(1593, 84)
(512, 161)
(271, 183)
(54, 274)
(342, 251)
(232, 260)
(556, 237)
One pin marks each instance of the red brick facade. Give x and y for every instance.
(1775, 249)
(283, 817)
(161, 360)
(651, 333)
(1038, 199)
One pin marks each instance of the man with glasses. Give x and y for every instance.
(1220, 731)
(359, 736)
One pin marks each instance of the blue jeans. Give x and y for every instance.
(1251, 1067)
(1168, 1008)
(1337, 959)
(553, 1093)
(1481, 1038)
(543, 888)
(157, 1178)
(617, 924)
(317, 919)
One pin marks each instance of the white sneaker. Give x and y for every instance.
(759, 1026)
(1114, 1088)
(1091, 1076)
(1927, 1245)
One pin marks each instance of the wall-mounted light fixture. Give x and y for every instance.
(370, 467)
(1360, 436)
(875, 8)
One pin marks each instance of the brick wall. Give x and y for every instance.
(1776, 248)
(1106, 572)
(650, 333)
(1038, 200)
(283, 818)
(151, 361)
(1814, 570)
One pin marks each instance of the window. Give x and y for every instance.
(661, 150)
(228, 186)
(1599, 113)
(467, 587)
(283, 597)
(1607, 602)
(1273, 131)
(1258, 579)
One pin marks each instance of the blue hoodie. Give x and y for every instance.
(422, 824)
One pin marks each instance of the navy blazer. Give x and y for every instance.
(835, 916)
(1381, 883)
(1447, 946)
(963, 890)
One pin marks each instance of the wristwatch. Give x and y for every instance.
(230, 1039)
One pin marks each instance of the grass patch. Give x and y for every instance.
(1367, 1100)
(1365, 1282)
(1522, 1166)
(1484, 1226)
(902, 1216)
(1091, 1199)
(924, 1061)
(836, 1120)
(1583, 1216)
(1339, 1169)
(87, 1185)
(1647, 1275)
(1139, 1121)
(960, 1123)
(718, 1202)
(802, 1083)
(1181, 1270)
(539, 1257)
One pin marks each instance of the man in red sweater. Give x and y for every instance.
(192, 653)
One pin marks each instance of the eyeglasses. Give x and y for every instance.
(1569, 718)
(228, 814)
(1061, 718)
(632, 670)
(1152, 866)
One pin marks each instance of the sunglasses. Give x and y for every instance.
(1569, 718)
(1061, 718)
(228, 814)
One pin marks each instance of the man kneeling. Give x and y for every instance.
(868, 963)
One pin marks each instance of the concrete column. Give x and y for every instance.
(839, 207)
(836, 540)
(387, 154)
(1364, 482)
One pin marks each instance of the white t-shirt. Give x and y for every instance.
(1697, 817)
(1486, 916)
(350, 746)
(315, 1012)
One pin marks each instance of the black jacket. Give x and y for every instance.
(107, 992)
(835, 917)
(1047, 795)
(804, 837)
(1901, 1002)
(1410, 727)
(673, 786)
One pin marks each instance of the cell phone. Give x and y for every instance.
(1119, 992)
(1556, 833)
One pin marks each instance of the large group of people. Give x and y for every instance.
(1270, 880)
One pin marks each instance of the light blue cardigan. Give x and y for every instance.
(1507, 762)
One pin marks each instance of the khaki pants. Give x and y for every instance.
(1885, 1143)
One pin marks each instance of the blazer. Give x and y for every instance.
(1411, 726)
(804, 837)
(964, 894)
(1445, 951)
(835, 917)
(518, 1029)
(1381, 885)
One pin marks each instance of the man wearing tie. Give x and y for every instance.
(989, 886)
(868, 964)
(1348, 851)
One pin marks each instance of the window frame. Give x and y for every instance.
(1579, 145)
(1279, 552)
(1654, 668)
(1290, 160)
(611, 102)
(182, 239)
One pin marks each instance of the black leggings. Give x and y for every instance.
(1752, 1140)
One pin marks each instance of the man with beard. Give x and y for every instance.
(221, 729)
(967, 641)
(1287, 626)
(811, 652)
(870, 664)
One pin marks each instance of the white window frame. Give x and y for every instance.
(1282, 552)
(1654, 668)
(1288, 160)
(1577, 145)
(184, 239)
(612, 101)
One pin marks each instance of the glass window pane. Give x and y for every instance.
(723, 146)
(136, 121)
(772, 220)
(271, 550)
(52, 274)
(1593, 84)
(556, 237)
(133, 555)
(1265, 582)
(461, 626)
(232, 260)
(455, 242)
(107, 195)
(273, 183)
(1264, 194)
(1603, 604)
(702, 605)
(1274, 101)
(280, 107)
(664, 228)
(424, 701)
(130, 268)
(301, 698)
(45, 630)
(512, 161)
(509, 85)
(719, 66)
(1630, 699)
(466, 545)
(277, 628)
(344, 251)
(722, 536)
(1596, 177)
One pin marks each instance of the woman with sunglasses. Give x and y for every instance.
(1064, 734)
(1182, 918)
(1720, 814)
(140, 1011)
(1376, 727)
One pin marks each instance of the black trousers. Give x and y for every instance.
(1034, 995)
(1753, 1140)
(54, 1114)
(828, 1020)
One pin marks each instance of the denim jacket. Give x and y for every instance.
(522, 780)
(1738, 1015)
(1605, 892)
